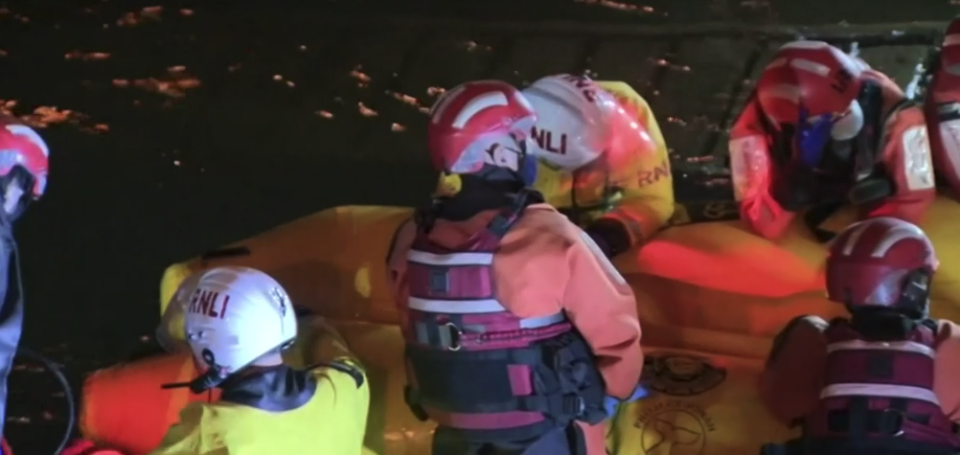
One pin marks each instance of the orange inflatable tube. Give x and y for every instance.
(123, 407)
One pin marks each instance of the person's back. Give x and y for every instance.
(884, 381)
(332, 421)
(237, 322)
(517, 327)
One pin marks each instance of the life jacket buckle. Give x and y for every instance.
(455, 336)
(891, 422)
(574, 404)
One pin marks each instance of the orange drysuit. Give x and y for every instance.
(792, 382)
(942, 106)
(547, 265)
(902, 151)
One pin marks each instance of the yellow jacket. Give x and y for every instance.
(636, 190)
(333, 421)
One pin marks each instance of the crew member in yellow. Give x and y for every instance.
(237, 321)
(603, 160)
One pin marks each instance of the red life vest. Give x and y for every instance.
(474, 366)
(879, 396)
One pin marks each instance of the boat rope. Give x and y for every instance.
(55, 369)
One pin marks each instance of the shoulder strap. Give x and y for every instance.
(344, 367)
(507, 217)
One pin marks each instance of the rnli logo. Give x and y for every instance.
(674, 428)
(682, 375)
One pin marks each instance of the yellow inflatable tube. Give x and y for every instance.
(711, 276)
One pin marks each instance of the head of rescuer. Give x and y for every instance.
(517, 327)
(237, 323)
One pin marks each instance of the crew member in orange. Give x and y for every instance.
(942, 107)
(518, 327)
(823, 130)
(884, 381)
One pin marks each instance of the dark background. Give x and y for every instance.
(181, 132)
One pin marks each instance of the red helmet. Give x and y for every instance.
(472, 117)
(21, 146)
(950, 49)
(885, 262)
(809, 76)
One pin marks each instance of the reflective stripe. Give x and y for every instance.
(879, 390)
(525, 323)
(456, 306)
(480, 306)
(951, 40)
(543, 321)
(903, 346)
(450, 259)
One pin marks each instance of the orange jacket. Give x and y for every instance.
(545, 265)
(904, 152)
(942, 108)
(791, 383)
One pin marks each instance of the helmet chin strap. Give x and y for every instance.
(25, 181)
(216, 374)
(915, 297)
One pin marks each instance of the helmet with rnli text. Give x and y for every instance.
(480, 125)
(813, 87)
(882, 262)
(23, 154)
(577, 122)
(235, 317)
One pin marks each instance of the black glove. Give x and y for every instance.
(610, 235)
(794, 188)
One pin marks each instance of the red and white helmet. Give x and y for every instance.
(21, 146)
(885, 262)
(817, 79)
(470, 119)
(950, 49)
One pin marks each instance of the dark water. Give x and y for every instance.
(178, 128)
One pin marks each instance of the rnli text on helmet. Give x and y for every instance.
(544, 138)
(209, 303)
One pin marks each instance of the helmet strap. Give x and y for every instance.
(915, 297)
(214, 376)
(22, 177)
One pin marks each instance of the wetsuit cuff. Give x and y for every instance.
(610, 235)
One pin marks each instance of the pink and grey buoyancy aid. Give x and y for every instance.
(475, 367)
(878, 396)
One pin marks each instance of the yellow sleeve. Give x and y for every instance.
(325, 344)
(646, 181)
(187, 438)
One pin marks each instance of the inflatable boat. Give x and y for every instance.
(711, 297)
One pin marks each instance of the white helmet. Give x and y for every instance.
(169, 333)
(235, 317)
(577, 122)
